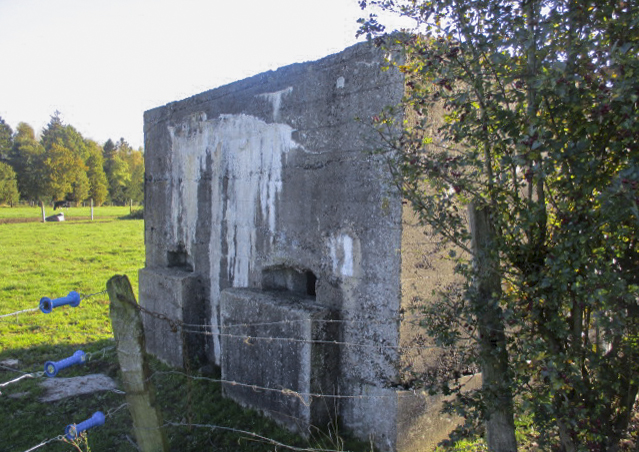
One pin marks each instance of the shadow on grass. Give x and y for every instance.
(28, 422)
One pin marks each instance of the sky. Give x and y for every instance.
(102, 63)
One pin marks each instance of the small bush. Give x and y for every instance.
(137, 214)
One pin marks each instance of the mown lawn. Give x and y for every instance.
(51, 259)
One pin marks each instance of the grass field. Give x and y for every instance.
(35, 212)
(51, 259)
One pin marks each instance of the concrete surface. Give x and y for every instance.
(268, 184)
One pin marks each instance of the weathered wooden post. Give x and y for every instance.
(129, 335)
(43, 214)
(91, 209)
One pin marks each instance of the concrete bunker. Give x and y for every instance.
(282, 243)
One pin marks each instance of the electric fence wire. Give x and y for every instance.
(88, 357)
(109, 413)
(24, 311)
(11, 369)
(22, 377)
(19, 312)
(45, 442)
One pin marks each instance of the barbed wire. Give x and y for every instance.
(207, 329)
(174, 324)
(251, 434)
(90, 355)
(84, 297)
(248, 339)
(112, 411)
(388, 320)
(289, 392)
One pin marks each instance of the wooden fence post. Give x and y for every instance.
(43, 214)
(129, 335)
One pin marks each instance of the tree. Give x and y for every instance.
(8, 185)
(80, 187)
(57, 136)
(54, 131)
(26, 158)
(61, 171)
(118, 170)
(109, 149)
(135, 187)
(118, 174)
(526, 111)
(98, 182)
(6, 140)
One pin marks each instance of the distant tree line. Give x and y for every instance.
(63, 165)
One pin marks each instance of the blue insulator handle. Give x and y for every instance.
(73, 430)
(47, 304)
(51, 368)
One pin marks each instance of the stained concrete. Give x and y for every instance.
(267, 185)
(175, 296)
(290, 350)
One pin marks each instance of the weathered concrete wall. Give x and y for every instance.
(302, 361)
(177, 297)
(265, 185)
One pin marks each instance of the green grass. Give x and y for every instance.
(51, 259)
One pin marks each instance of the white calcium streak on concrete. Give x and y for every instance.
(341, 252)
(187, 162)
(247, 155)
(276, 100)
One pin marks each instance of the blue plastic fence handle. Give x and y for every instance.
(73, 430)
(47, 304)
(51, 368)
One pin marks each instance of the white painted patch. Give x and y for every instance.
(340, 83)
(247, 156)
(276, 100)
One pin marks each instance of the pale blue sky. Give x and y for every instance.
(102, 63)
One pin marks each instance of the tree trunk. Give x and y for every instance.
(485, 296)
